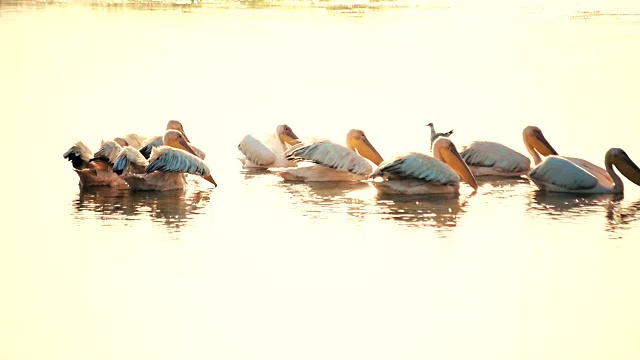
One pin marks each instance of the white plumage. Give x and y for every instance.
(257, 153)
(269, 151)
(133, 140)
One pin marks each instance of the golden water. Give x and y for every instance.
(262, 269)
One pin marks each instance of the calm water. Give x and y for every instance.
(262, 269)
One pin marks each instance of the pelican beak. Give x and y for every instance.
(452, 157)
(184, 145)
(290, 137)
(627, 167)
(209, 178)
(367, 150)
(184, 134)
(541, 144)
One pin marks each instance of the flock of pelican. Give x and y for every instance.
(161, 163)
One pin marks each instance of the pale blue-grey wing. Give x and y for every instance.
(494, 155)
(559, 171)
(168, 159)
(331, 155)
(418, 166)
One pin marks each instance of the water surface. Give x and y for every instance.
(260, 268)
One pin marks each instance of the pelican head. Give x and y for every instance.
(536, 143)
(285, 134)
(178, 140)
(621, 160)
(445, 151)
(177, 125)
(357, 141)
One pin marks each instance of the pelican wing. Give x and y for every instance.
(495, 155)
(108, 150)
(255, 151)
(130, 160)
(331, 155)
(168, 159)
(562, 172)
(135, 140)
(150, 144)
(418, 166)
(79, 155)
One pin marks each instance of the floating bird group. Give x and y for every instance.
(162, 163)
(151, 165)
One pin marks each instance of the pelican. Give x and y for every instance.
(435, 135)
(562, 174)
(269, 154)
(95, 169)
(333, 162)
(134, 140)
(416, 173)
(156, 141)
(491, 158)
(138, 141)
(166, 167)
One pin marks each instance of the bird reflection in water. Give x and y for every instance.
(440, 210)
(173, 208)
(567, 207)
(319, 200)
(620, 216)
(360, 200)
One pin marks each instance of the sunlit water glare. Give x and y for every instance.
(261, 268)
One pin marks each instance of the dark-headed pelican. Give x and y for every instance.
(268, 153)
(333, 162)
(562, 174)
(491, 158)
(166, 167)
(416, 173)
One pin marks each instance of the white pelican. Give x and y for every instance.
(416, 173)
(156, 141)
(165, 169)
(491, 158)
(259, 155)
(94, 169)
(333, 162)
(138, 141)
(134, 140)
(435, 135)
(563, 174)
